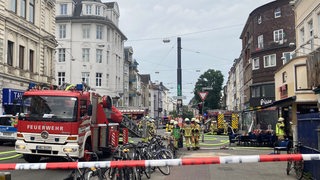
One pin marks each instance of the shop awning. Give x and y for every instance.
(282, 102)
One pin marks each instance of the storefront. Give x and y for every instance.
(11, 100)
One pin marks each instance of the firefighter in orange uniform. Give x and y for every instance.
(187, 132)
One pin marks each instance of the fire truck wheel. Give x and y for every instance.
(31, 158)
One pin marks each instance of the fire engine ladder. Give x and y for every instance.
(131, 125)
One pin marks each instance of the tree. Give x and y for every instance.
(210, 79)
(185, 113)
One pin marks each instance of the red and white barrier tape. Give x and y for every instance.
(164, 162)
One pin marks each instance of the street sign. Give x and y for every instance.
(203, 95)
(207, 88)
(179, 97)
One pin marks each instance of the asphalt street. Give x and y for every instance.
(218, 145)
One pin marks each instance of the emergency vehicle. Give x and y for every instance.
(225, 118)
(8, 129)
(58, 121)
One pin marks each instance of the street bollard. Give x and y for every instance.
(5, 176)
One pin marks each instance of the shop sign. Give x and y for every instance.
(9, 96)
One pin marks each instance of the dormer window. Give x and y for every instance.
(277, 13)
(259, 20)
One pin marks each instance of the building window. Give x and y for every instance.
(85, 77)
(98, 79)
(88, 9)
(23, 7)
(302, 36)
(21, 57)
(310, 26)
(269, 60)
(284, 77)
(301, 78)
(260, 42)
(31, 11)
(98, 10)
(255, 91)
(267, 90)
(13, 5)
(107, 80)
(63, 9)
(108, 54)
(10, 53)
(61, 78)
(277, 12)
(62, 31)
(256, 63)
(86, 31)
(108, 34)
(278, 35)
(85, 54)
(99, 56)
(99, 31)
(31, 60)
(62, 55)
(259, 20)
(318, 17)
(286, 56)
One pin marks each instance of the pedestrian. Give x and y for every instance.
(187, 133)
(280, 129)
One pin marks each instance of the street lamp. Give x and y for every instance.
(179, 78)
(179, 75)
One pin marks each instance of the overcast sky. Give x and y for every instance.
(209, 31)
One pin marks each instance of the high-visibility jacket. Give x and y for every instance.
(176, 132)
(280, 129)
(187, 130)
(196, 130)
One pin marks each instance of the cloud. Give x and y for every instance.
(210, 31)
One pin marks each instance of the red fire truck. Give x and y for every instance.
(74, 120)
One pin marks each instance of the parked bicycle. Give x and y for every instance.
(76, 174)
(122, 173)
(297, 166)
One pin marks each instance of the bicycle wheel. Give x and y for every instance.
(147, 170)
(172, 149)
(289, 163)
(298, 167)
(164, 154)
(289, 166)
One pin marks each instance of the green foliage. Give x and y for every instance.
(210, 79)
(185, 113)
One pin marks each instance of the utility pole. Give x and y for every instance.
(179, 78)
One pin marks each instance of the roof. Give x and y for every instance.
(145, 78)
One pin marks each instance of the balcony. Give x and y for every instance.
(132, 79)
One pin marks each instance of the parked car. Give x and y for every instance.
(8, 129)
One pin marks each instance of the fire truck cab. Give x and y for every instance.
(56, 122)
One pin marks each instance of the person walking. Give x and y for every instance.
(187, 133)
(280, 129)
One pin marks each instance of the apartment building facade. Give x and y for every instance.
(297, 82)
(90, 46)
(266, 45)
(27, 48)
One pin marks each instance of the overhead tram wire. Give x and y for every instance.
(187, 34)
